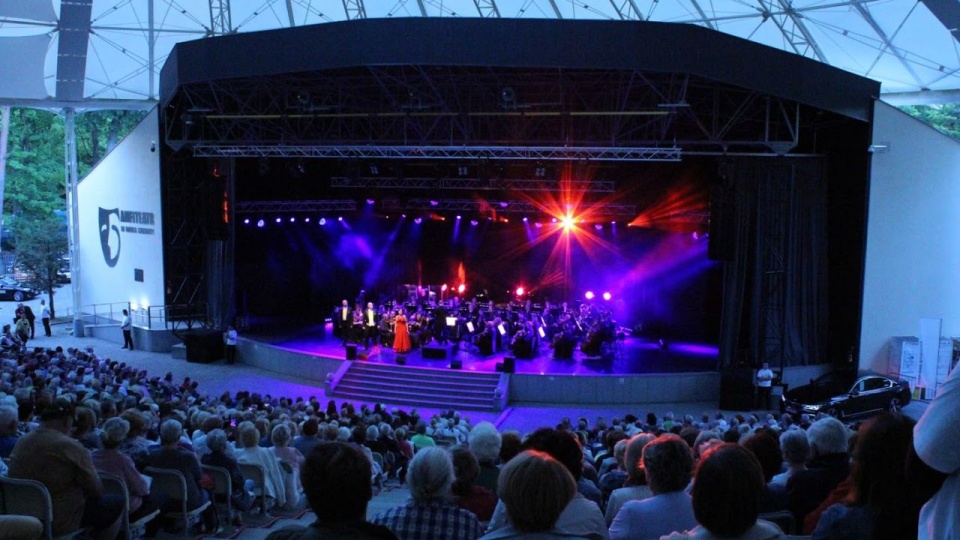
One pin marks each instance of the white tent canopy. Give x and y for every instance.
(108, 53)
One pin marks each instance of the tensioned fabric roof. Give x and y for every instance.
(108, 53)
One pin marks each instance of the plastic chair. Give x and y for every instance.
(222, 487)
(174, 485)
(378, 459)
(255, 472)
(115, 485)
(31, 498)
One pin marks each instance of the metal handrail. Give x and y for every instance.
(92, 315)
(170, 317)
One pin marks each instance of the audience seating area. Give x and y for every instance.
(241, 498)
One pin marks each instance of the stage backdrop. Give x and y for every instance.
(912, 259)
(121, 248)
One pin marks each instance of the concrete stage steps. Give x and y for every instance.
(425, 387)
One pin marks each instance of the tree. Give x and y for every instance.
(945, 118)
(41, 247)
(98, 132)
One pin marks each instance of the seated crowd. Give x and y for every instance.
(66, 416)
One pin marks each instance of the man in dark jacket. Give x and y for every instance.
(336, 479)
(829, 464)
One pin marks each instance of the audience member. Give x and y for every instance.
(428, 514)
(485, 442)
(50, 456)
(290, 459)
(727, 487)
(876, 506)
(766, 448)
(467, 493)
(108, 459)
(635, 487)
(667, 463)
(217, 456)
(171, 456)
(335, 479)
(535, 489)
(936, 441)
(828, 466)
(250, 451)
(8, 430)
(795, 450)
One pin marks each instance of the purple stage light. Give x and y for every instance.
(607, 296)
(404, 216)
(278, 220)
(474, 222)
(306, 220)
(458, 217)
(260, 223)
(293, 219)
(461, 288)
(370, 201)
(322, 222)
(589, 295)
(598, 226)
(434, 203)
(538, 224)
(418, 220)
(339, 218)
(696, 235)
(524, 219)
(504, 204)
(246, 221)
(553, 220)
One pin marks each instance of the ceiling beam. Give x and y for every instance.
(948, 11)
(868, 17)
(925, 97)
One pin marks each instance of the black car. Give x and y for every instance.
(843, 395)
(11, 290)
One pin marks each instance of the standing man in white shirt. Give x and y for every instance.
(230, 344)
(127, 326)
(45, 317)
(764, 386)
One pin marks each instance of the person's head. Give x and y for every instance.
(794, 446)
(466, 468)
(170, 432)
(344, 303)
(114, 432)
(280, 436)
(217, 441)
(767, 451)
(509, 445)
(125, 312)
(535, 488)
(430, 474)
(632, 458)
(8, 420)
(766, 365)
(879, 462)
(137, 420)
(58, 415)
(84, 420)
(827, 436)
(562, 445)
(485, 441)
(248, 436)
(369, 305)
(336, 479)
(667, 462)
(727, 488)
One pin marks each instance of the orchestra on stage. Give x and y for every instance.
(522, 329)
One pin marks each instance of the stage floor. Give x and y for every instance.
(636, 356)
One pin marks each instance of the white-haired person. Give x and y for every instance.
(429, 514)
(170, 455)
(108, 459)
(484, 441)
(250, 451)
(290, 460)
(220, 455)
(829, 465)
(535, 489)
(795, 449)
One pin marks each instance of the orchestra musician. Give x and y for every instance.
(343, 322)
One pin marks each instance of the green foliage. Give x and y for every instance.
(945, 118)
(41, 247)
(35, 164)
(98, 132)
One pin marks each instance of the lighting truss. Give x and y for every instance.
(539, 153)
(603, 210)
(250, 207)
(475, 184)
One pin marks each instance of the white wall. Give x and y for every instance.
(126, 180)
(913, 234)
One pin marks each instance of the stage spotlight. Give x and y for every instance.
(458, 218)
(538, 224)
(613, 222)
(443, 287)
(553, 220)
(306, 219)
(568, 222)
(504, 204)
(293, 219)
(598, 226)
(489, 218)
(260, 223)
(589, 295)
(404, 216)
(246, 221)
(524, 219)
(434, 203)
(339, 218)
(417, 220)
(696, 235)
(370, 201)
(474, 222)
(607, 296)
(278, 220)
(461, 288)
(322, 222)
(520, 291)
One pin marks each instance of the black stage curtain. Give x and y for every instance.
(775, 275)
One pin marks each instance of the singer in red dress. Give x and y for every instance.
(401, 339)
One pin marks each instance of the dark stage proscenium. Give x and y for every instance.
(582, 164)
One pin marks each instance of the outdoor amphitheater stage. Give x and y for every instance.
(631, 356)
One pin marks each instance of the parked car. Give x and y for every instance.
(836, 394)
(10, 289)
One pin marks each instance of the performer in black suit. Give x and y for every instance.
(343, 321)
(370, 325)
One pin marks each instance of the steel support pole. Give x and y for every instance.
(72, 180)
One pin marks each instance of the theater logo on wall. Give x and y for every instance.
(115, 223)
